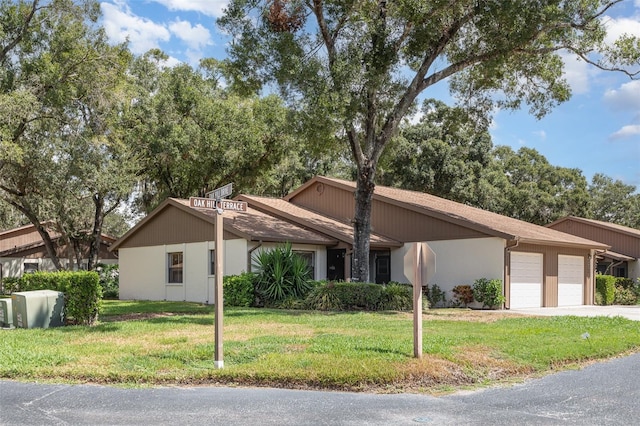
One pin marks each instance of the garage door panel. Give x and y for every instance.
(570, 280)
(526, 280)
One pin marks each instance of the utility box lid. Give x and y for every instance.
(6, 313)
(38, 309)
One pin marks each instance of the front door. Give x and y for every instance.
(335, 264)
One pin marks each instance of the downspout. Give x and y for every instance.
(507, 260)
(250, 254)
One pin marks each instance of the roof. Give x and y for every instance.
(339, 230)
(252, 225)
(472, 217)
(600, 224)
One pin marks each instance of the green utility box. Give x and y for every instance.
(6, 313)
(38, 309)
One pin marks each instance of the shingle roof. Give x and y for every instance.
(340, 230)
(482, 220)
(255, 225)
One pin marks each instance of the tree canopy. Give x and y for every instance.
(357, 67)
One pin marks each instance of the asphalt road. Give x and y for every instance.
(606, 393)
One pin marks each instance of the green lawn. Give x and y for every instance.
(166, 343)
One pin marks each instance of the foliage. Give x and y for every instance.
(109, 276)
(606, 287)
(82, 292)
(627, 291)
(488, 292)
(355, 69)
(462, 295)
(282, 273)
(435, 296)
(397, 297)
(239, 289)
(324, 297)
(10, 285)
(614, 201)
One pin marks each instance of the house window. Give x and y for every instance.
(309, 257)
(212, 262)
(175, 267)
(30, 267)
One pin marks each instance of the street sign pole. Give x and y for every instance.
(218, 301)
(417, 301)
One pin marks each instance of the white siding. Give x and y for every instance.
(634, 269)
(458, 262)
(142, 273)
(526, 280)
(570, 280)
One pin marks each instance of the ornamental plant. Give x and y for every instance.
(488, 292)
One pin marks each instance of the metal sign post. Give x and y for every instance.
(215, 201)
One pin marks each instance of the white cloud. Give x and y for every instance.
(196, 37)
(626, 97)
(120, 24)
(541, 134)
(577, 72)
(626, 132)
(208, 7)
(617, 27)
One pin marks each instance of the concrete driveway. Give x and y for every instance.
(630, 312)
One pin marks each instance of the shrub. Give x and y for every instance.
(239, 289)
(397, 297)
(324, 297)
(10, 285)
(488, 292)
(625, 296)
(606, 286)
(282, 274)
(462, 295)
(109, 276)
(360, 296)
(435, 296)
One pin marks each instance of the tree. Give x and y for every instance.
(614, 201)
(62, 86)
(358, 67)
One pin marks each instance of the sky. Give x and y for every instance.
(597, 131)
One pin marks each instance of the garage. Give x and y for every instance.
(570, 280)
(526, 280)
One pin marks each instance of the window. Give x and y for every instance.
(30, 267)
(212, 262)
(175, 267)
(309, 256)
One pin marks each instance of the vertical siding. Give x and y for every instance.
(619, 242)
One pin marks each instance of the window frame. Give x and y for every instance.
(173, 270)
(311, 262)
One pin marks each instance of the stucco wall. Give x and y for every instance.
(634, 269)
(458, 262)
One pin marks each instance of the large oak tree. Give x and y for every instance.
(357, 66)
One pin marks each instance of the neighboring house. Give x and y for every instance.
(22, 251)
(539, 266)
(622, 259)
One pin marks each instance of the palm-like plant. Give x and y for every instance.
(282, 274)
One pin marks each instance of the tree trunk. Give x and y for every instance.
(96, 233)
(362, 223)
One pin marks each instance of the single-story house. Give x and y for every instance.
(168, 255)
(22, 250)
(622, 259)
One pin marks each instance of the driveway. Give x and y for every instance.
(630, 312)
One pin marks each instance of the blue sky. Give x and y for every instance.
(597, 131)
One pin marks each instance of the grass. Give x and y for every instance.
(173, 343)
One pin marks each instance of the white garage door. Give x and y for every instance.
(526, 280)
(570, 280)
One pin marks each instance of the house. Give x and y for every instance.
(622, 259)
(22, 250)
(167, 256)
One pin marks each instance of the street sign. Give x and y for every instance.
(236, 206)
(202, 203)
(220, 193)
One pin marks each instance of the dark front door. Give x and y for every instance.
(335, 264)
(383, 269)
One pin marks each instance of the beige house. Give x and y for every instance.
(539, 266)
(623, 257)
(22, 250)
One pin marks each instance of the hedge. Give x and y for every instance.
(346, 296)
(239, 289)
(606, 287)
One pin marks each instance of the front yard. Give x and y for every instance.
(152, 343)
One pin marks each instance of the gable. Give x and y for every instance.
(171, 226)
(620, 242)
